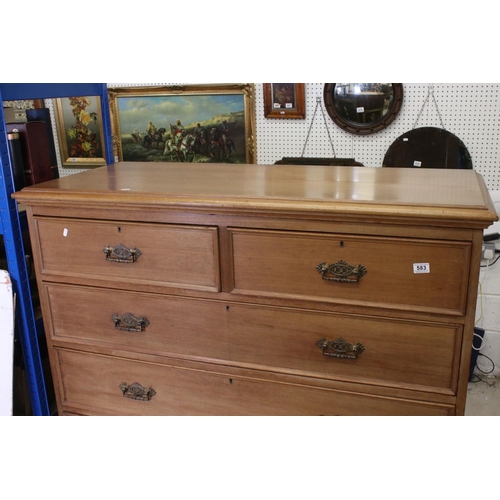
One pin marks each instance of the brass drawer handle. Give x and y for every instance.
(129, 322)
(137, 391)
(340, 348)
(120, 253)
(341, 271)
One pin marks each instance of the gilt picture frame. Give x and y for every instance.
(80, 131)
(201, 123)
(284, 100)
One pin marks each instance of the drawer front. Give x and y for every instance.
(394, 352)
(140, 322)
(99, 384)
(400, 273)
(158, 254)
(354, 348)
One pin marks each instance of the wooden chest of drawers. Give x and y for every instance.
(189, 289)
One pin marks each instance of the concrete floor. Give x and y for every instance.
(483, 397)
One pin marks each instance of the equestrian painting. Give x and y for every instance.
(206, 124)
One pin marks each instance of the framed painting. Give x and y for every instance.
(284, 100)
(80, 131)
(190, 123)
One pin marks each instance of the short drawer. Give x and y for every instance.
(158, 254)
(97, 384)
(390, 352)
(401, 273)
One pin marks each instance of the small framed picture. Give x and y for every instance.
(284, 100)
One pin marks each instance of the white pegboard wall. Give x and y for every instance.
(470, 111)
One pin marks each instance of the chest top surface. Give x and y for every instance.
(299, 188)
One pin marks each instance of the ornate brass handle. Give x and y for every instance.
(340, 348)
(120, 253)
(341, 271)
(129, 322)
(137, 391)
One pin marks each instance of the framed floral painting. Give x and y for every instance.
(202, 123)
(80, 131)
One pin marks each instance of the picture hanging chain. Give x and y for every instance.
(318, 101)
(430, 92)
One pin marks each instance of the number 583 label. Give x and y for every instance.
(422, 267)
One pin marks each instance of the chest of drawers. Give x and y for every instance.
(189, 289)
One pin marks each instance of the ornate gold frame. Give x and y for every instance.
(244, 89)
(74, 161)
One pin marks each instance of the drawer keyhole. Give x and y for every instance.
(341, 244)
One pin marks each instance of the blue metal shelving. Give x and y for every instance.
(12, 225)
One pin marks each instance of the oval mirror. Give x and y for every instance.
(428, 147)
(363, 108)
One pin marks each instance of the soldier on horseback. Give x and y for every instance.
(177, 131)
(151, 130)
(200, 139)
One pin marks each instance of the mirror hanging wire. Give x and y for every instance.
(318, 103)
(430, 92)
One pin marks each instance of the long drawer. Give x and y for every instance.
(97, 384)
(160, 254)
(402, 273)
(392, 352)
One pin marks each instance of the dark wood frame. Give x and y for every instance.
(298, 111)
(357, 128)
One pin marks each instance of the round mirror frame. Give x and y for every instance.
(357, 128)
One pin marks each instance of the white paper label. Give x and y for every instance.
(417, 163)
(65, 232)
(421, 267)
(360, 110)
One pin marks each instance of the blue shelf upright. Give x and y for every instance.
(27, 328)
